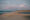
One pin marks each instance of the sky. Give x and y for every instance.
(15, 4)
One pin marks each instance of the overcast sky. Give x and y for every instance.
(13, 4)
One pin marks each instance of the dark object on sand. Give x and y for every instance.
(28, 17)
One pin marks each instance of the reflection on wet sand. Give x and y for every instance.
(14, 16)
(8, 16)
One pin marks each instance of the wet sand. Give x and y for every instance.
(16, 17)
(12, 16)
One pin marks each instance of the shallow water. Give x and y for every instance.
(24, 12)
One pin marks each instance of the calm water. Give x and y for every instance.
(24, 12)
(3, 13)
